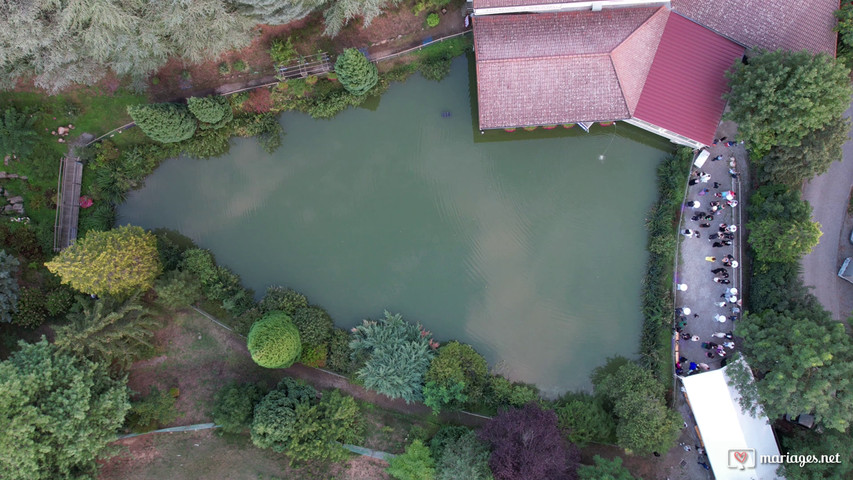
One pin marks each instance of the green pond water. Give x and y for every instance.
(528, 245)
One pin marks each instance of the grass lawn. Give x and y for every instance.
(204, 454)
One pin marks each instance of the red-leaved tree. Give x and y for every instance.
(527, 444)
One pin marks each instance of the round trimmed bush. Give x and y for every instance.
(432, 20)
(274, 341)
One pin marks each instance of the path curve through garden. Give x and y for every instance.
(325, 380)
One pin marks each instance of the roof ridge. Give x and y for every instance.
(639, 27)
(544, 57)
(621, 86)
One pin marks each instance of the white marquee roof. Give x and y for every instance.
(725, 426)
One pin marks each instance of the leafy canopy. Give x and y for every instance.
(527, 445)
(63, 43)
(464, 458)
(355, 72)
(117, 262)
(781, 229)
(818, 150)
(274, 341)
(458, 363)
(604, 469)
(164, 122)
(57, 413)
(340, 12)
(234, 405)
(108, 331)
(273, 424)
(780, 97)
(644, 423)
(803, 364)
(17, 135)
(8, 286)
(396, 355)
(415, 464)
(213, 111)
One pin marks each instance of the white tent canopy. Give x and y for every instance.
(724, 426)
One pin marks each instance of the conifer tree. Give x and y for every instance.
(355, 72)
(164, 122)
(117, 262)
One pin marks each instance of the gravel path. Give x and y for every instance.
(828, 195)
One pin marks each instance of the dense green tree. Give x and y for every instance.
(17, 135)
(781, 229)
(443, 437)
(283, 299)
(644, 423)
(818, 150)
(340, 12)
(8, 286)
(829, 442)
(213, 111)
(415, 464)
(276, 12)
(439, 396)
(234, 405)
(604, 469)
(314, 325)
(803, 364)
(57, 414)
(62, 43)
(117, 262)
(274, 341)
(585, 420)
(779, 201)
(338, 358)
(177, 289)
(153, 411)
(218, 283)
(396, 356)
(503, 393)
(108, 331)
(458, 363)
(774, 240)
(320, 429)
(31, 310)
(164, 122)
(780, 97)
(464, 458)
(273, 424)
(355, 72)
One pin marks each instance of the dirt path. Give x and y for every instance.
(828, 195)
(324, 380)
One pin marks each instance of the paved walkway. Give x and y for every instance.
(702, 293)
(704, 297)
(828, 195)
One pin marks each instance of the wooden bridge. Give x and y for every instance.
(316, 64)
(68, 202)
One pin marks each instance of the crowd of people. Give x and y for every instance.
(709, 221)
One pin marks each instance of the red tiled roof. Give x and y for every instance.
(771, 24)
(541, 69)
(633, 58)
(548, 91)
(684, 88)
(516, 3)
(549, 34)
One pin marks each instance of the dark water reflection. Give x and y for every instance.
(531, 249)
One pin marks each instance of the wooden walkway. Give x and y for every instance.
(68, 202)
(303, 67)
